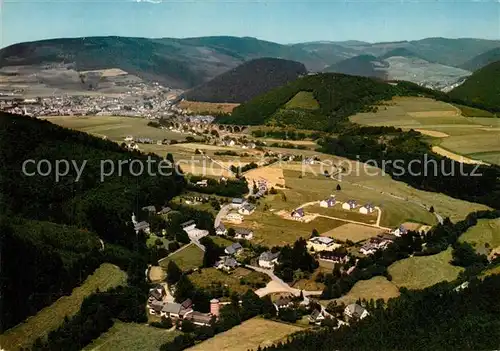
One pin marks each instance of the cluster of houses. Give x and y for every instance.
(349, 205)
(242, 208)
(382, 241)
(132, 143)
(234, 142)
(178, 312)
(228, 262)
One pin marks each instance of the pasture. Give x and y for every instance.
(106, 277)
(115, 128)
(208, 277)
(420, 272)
(249, 335)
(187, 257)
(485, 232)
(457, 130)
(132, 336)
(353, 232)
(375, 288)
(303, 100)
(207, 107)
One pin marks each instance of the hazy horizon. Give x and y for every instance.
(285, 22)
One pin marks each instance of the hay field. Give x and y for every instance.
(486, 231)
(248, 336)
(451, 155)
(273, 175)
(106, 277)
(207, 277)
(421, 272)
(132, 336)
(375, 288)
(471, 134)
(213, 107)
(353, 232)
(115, 128)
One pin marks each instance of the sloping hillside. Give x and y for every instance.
(247, 81)
(482, 87)
(362, 65)
(482, 60)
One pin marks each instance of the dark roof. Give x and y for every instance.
(231, 249)
(268, 256)
(243, 231)
(141, 225)
(237, 200)
(171, 308)
(187, 303)
(188, 223)
(165, 210)
(149, 208)
(199, 317)
(355, 310)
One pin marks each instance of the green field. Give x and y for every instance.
(107, 276)
(132, 336)
(491, 271)
(249, 335)
(486, 231)
(303, 100)
(188, 257)
(115, 128)
(207, 277)
(424, 271)
(467, 131)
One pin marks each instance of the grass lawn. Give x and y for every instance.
(486, 231)
(220, 241)
(107, 276)
(353, 232)
(272, 230)
(188, 257)
(210, 276)
(132, 336)
(151, 241)
(421, 272)
(248, 336)
(303, 100)
(375, 288)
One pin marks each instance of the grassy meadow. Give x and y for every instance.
(375, 288)
(468, 132)
(132, 336)
(303, 100)
(106, 277)
(486, 231)
(206, 277)
(248, 336)
(420, 272)
(186, 258)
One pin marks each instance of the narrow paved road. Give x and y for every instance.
(221, 214)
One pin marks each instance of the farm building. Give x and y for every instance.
(237, 202)
(333, 256)
(401, 230)
(227, 263)
(316, 317)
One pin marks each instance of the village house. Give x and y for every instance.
(268, 259)
(375, 244)
(366, 209)
(247, 209)
(283, 302)
(330, 202)
(129, 138)
(202, 183)
(221, 230)
(151, 209)
(355, 311)
(164, 211)
(316, 317)
(189, 225)
(399, 231)
(233, 249)
(142, 226)
(322, 243)
(298, 214)
(171, 310)
(243, 233)
(157, 293)
(349, 205)
(227, 263)
(334, 256)
(237, 202)
(200, 319)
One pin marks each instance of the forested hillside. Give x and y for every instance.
(50, 229)
(437, 318)
(248, 80)
(482, 87)
(482, 60)
(363, 65)
(338, 95)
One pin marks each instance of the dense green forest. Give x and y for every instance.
(437, 318)
(339, 96)
(482, 87)
(50, 230)
(248, 80)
